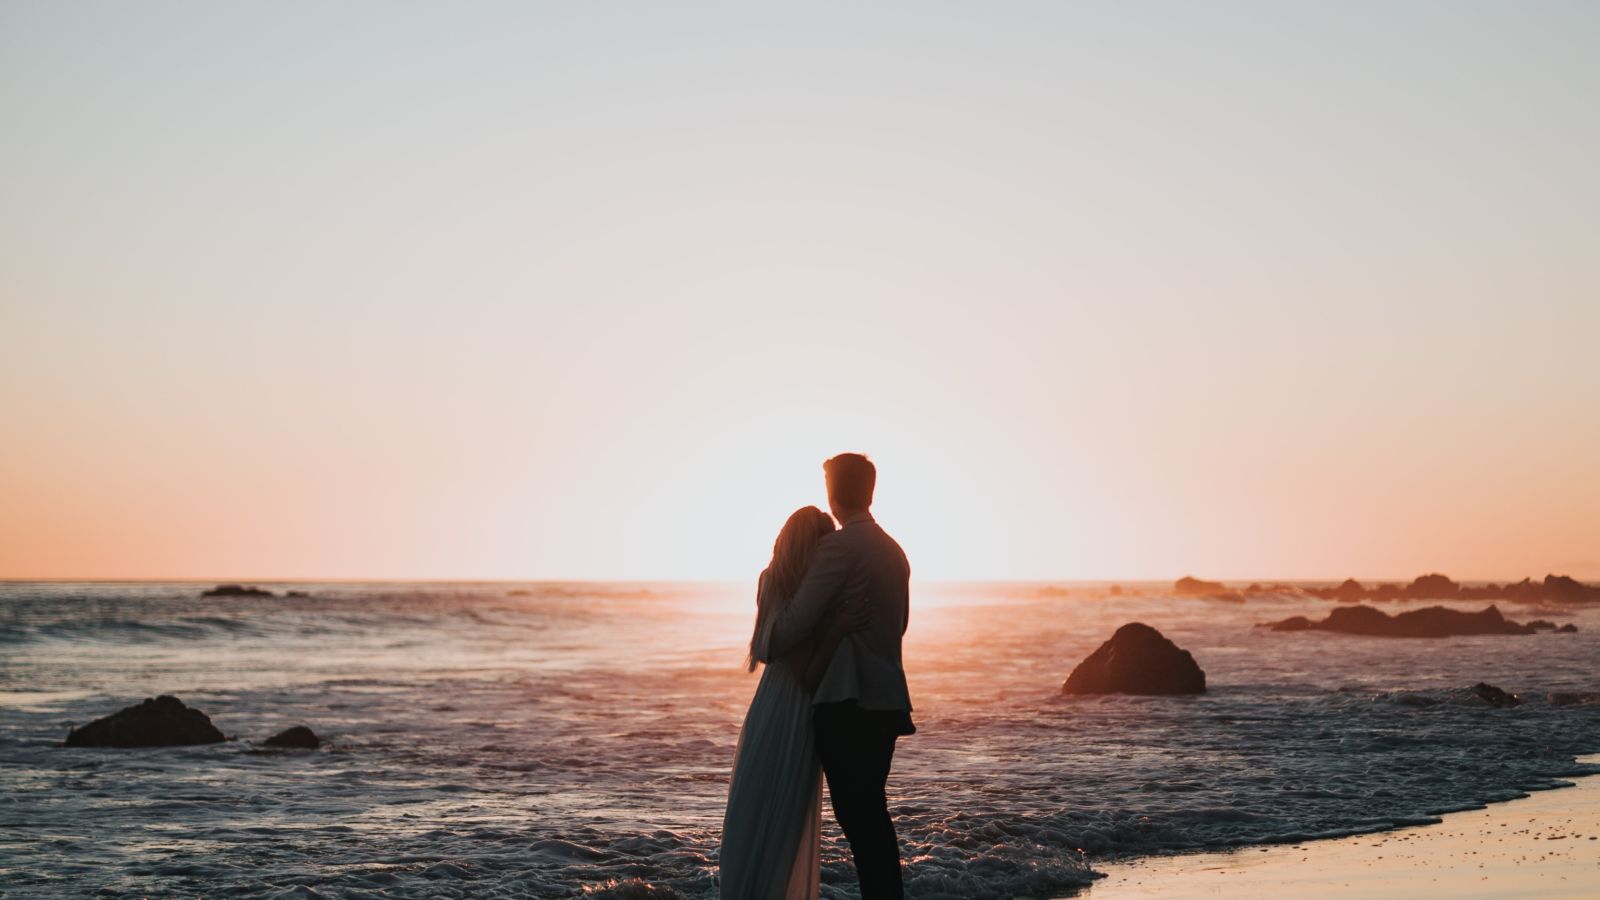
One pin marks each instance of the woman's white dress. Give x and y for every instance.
(772, 832)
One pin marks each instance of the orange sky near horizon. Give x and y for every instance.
(1257, 291)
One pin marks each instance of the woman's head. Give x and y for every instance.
(791, 552)
(791, 555)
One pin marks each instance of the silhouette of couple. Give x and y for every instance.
(831, 608)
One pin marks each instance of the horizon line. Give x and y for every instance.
(729, 581)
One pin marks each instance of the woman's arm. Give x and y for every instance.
(850, 617)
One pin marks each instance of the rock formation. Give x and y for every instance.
(1350, 590)
(1189, 586)
(1434, 621)
(299, 737)
(1137, 660)
(1433, 587)
(162, 722)
(236, 590)
(1555, 589)
(1562, 589)
(1494, 696)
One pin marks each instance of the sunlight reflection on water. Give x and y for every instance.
(546, 740)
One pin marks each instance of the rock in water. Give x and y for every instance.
(1494, 696)
(1349, 590)
(298, 737)
(1433, 587)
(236, 590)
(1434, 621)
(1563, 589)
(1568, 628)
(1137, 660)
(1190, 586)
(1561, 698)
(162, 722)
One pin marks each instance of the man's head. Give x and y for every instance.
(851, 478)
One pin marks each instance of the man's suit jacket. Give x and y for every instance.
(861, 563)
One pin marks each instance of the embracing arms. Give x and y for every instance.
(811, 602)
(842, 619)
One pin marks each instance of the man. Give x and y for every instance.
(861, 706)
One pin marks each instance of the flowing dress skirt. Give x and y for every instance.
(772, 832)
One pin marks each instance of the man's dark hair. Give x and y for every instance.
(851, 478)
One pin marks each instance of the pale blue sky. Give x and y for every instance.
(549, 290)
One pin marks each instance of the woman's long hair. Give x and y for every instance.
(791, 554)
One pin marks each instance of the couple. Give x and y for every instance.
(830, 611)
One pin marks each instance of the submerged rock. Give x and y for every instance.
(1137, 660)
(162, 722)
(1293, 623)
(1564, 698)
(1434, 621)
(1494, 696)
(236, 590)
(299, 737)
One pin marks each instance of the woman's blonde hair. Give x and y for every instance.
(791, 555)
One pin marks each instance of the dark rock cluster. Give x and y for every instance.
(236, 590)
(1434, 621)
(1553, 589)
(166, 721)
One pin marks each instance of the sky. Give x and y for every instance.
(1120, 290)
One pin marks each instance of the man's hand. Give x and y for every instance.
(840, 618)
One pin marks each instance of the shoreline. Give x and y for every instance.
(1546, 844)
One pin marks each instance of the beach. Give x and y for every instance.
(1545, 845)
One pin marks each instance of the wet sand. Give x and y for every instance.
(1544, 845)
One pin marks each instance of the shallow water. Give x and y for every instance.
(557, 740)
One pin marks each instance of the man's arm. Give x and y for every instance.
(828, 570)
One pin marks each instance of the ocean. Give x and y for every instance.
(574, 740)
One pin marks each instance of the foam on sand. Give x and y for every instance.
(1545, 845)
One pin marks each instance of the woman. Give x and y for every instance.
(772, 832)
